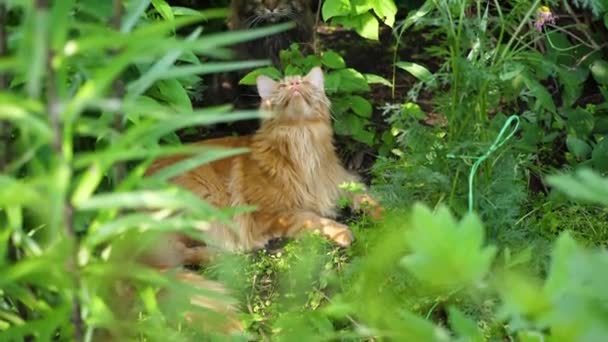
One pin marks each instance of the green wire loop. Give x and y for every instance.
(495, 146)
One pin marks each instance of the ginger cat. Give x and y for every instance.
(292, 173)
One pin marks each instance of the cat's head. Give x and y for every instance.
(295, 97)
(273, 11)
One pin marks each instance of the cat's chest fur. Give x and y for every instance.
(296, 168)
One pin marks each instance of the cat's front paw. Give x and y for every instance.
(337, 232)
(368, 205)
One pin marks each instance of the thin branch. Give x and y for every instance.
(5, 127)
(118, 88)
(54, 112)
(583, 27)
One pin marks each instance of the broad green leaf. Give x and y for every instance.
(333, 60)
(366, 26)
(360, 106)
(437, 239)
(375, 79)
(386, 11)
(578, 147)
(350, 81)
(522, 296)
(543, 98)
(361, 6)
(335, 8)
(417, 70)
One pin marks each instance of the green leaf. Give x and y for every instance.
(360, 106)
(599, 157)
(375, 79)
(164, 9)
(350, 81)
(88, 183)
(173, 92)
(250, 78)
(585, 185)
(417, 70)
(361, 6)
(354, 126)
(543, 97)
(333, 60)
(437, 239)
(578, 147)
(466, 329)
(562, 258)
(209, 155)
(209, 68)
(135, 9)
(335, 8)
(147, 199)
(410, 109)
(386, 10)
(599, 70)
(580, 122)
(366, 25)
(138, 86)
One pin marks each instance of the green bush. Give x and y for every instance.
(91, 92)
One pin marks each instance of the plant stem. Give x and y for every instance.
(118, 86)
(315, 36)
(54, 113)
(5, 127)
(581, 26)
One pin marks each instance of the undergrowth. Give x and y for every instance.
(515, 251)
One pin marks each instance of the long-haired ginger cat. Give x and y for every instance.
(291, 173)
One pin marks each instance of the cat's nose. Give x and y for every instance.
(271, 4)
(294, 83)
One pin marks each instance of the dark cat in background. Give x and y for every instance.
(246, 14)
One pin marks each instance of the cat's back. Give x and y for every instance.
(209, 180)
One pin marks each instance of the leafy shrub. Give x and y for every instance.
(344, 86)
(85, 99)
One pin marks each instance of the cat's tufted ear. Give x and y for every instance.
(315, 77)
(265, 85)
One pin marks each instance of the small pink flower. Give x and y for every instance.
(544, 16)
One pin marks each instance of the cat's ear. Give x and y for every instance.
(315, 77)
(265, 86)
